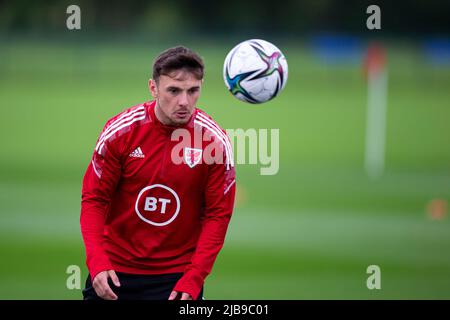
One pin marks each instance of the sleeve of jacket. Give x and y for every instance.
(99, 184)
(219, 203)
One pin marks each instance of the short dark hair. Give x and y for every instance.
(178, 58)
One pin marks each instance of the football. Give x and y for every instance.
(255, 71)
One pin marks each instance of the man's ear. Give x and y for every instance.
(153, 88)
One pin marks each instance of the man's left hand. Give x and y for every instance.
(184, 296)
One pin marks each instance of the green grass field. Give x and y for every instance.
(309, 232)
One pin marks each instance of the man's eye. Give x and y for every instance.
(192, 91)
(173, 91)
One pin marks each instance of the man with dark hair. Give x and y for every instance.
(155, 211)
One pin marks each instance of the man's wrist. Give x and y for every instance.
(191, 282)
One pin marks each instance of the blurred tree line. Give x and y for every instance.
(171, 17)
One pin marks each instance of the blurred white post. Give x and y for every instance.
(377, 76)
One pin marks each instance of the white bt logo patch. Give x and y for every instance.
(157, 205)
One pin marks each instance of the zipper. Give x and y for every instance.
(163, 164)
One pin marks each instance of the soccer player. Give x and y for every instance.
(156, 202)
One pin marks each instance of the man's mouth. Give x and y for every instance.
(182, 114)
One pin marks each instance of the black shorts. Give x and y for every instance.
(138, 287)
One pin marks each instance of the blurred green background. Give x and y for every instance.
(309, 232)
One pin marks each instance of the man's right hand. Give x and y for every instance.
(102, 287)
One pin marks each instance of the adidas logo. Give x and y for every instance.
(137, 153)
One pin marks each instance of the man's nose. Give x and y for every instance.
(183, 99)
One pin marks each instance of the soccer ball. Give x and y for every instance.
(255, 71)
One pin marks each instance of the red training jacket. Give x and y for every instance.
(158, 199)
